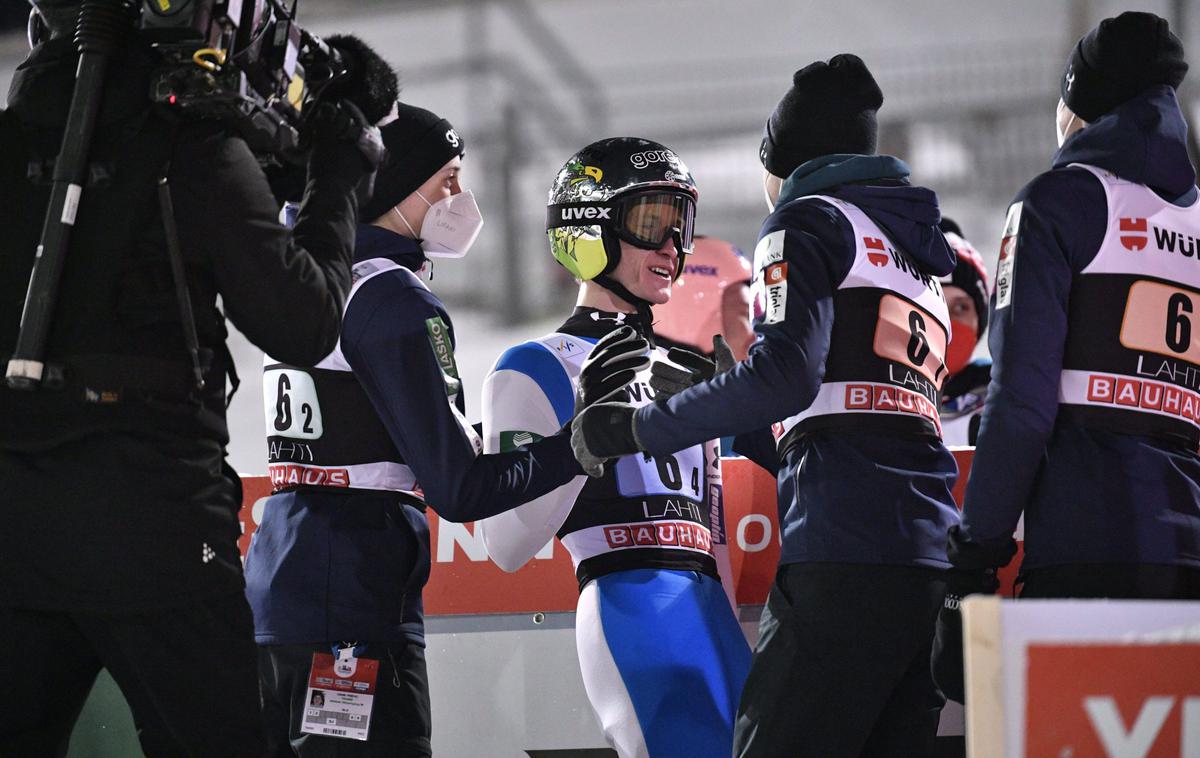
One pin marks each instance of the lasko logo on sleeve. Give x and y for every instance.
(439, 339)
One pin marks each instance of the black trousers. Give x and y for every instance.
(188, 673)
(841, 668)
(400, 717)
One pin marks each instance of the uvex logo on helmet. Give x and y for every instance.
(589, 213)
(876, 251)
(1133, 233)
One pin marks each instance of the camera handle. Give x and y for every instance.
(102, 25)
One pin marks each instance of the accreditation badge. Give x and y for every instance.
(341, 693)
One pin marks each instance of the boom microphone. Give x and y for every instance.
(369, 82)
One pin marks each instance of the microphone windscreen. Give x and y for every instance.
(372, 84)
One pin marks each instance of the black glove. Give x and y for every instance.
(967, 554)
(602, 432)
(948, 637)
(612, 365)
(974, 573)
(667, 380)
(338, 133)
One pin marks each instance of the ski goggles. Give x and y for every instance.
(648, 219)
(645, 219)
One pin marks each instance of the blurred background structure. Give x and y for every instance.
(970, 92)
(970, 89)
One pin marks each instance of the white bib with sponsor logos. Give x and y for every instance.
(670, 491)
(891, 329)
(321, 430)
(1132, 359)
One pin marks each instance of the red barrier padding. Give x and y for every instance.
(464, 581)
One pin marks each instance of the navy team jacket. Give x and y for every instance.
(1089, 495)
(350, 565)
(844, 495)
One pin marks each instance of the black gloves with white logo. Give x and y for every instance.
(613, 363)
(974, 573)
(689, 368)
(603, 425)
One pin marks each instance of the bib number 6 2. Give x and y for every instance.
(290, 401)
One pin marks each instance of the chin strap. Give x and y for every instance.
(645, 315)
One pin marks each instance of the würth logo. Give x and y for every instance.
(1136, 233)
(1133, 233)
(876, 251)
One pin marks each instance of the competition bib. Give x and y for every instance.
(1132, 358)
(887, 353)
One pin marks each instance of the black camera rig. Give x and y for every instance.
(246, 62)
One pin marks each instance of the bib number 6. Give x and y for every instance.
(1179, 326)
(1158, 319)
(918, 346)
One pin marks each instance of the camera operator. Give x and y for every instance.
(119, 541)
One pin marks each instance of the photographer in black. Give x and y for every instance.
(119, 541)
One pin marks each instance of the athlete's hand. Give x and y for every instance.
(602, 432)
(612, 365)
(667, 379)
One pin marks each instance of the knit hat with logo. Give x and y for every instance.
(418, 144)
(1118, 59)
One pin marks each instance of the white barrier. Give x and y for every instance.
(1082, 678)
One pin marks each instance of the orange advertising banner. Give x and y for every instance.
(464, 581)
(1100, 700)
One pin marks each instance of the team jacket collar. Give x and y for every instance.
(376, 242)
(828, 171)
(1143, 140)
(878, 185)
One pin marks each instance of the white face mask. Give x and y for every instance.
(451, 225)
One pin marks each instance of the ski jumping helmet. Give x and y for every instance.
(616, 189)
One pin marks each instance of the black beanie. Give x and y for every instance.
(418, 144)
(829, 109)
(1119, 59)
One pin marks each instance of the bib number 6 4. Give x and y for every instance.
(679, 474)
